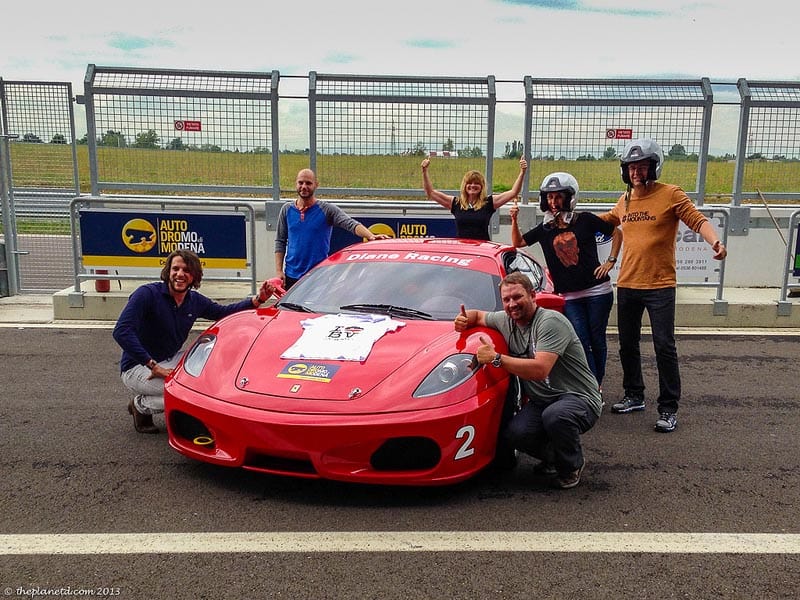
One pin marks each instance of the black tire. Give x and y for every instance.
(506, 456)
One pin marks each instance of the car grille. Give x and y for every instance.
(406, 454)
(265, 462)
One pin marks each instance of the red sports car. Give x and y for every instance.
(356, 373)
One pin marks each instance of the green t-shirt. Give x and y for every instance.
(550, 331)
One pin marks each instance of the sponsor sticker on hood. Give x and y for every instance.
(308, 371)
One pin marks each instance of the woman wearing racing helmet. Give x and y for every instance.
(569, 244)
(472, 209)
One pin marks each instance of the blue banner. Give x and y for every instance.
(112, 238)
(396, 227)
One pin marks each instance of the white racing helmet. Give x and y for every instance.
(559, 182)
(641, 149)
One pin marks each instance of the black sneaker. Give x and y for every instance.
(570, 480)
(628, 404)
(545, 469)
(666, 422)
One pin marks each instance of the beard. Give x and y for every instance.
(179, 287)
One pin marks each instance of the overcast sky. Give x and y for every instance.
(720, 39)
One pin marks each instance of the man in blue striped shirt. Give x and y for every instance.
(303, 236)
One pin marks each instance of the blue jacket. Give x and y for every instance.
(152, 326)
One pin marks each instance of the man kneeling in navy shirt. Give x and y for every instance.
(154, 325)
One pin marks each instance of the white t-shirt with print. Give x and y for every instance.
(340, 337)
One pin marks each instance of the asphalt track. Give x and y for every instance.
(90, 508)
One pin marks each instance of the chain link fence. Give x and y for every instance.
(769, 141)
(39, 121)
(369, 130)
(40, 115)
(215, 134)
(180, 131)
(581, 127)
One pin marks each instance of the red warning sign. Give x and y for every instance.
(619, 134)
(188, 125)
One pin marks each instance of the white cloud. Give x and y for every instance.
(603, 38)
(721, 39)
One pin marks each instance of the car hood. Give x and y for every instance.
(252, 373)
(263, 370)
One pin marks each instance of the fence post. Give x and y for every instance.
(11, 257)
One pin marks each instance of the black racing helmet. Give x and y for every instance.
(641, 149)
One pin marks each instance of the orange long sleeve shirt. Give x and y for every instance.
(650, 232)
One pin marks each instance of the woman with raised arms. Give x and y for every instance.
(473, 208)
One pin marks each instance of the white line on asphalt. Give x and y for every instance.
(399, 541)
(61, 325)
(202, 326)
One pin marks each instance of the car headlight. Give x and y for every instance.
(198, 354)
(451, 372)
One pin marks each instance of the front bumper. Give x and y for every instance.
(423, 447)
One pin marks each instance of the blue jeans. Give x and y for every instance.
(660, 305)
(589, 318)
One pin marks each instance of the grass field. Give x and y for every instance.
(48, 165)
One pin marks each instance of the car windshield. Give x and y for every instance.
(401, 289)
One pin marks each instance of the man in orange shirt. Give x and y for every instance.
(649, 213)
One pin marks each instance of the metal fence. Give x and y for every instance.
(39, 122)
(791, 264)
(40, 115)
(581, 126)
(379, 129)
(769, 138)
(166, 206)
(215, 134)
(172, 131)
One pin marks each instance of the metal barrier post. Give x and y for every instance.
(720, 305)
(9, 222)
(784, 306)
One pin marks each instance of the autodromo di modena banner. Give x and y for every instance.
(396, 227)
(141, 239)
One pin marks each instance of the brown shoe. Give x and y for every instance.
(570, 480)
(141, 422)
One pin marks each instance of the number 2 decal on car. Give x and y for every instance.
(466, 449)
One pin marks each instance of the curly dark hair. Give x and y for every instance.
(193, 266)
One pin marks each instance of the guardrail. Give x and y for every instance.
(30, 204)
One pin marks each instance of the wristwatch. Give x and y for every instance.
(496, 362)
(612, 259)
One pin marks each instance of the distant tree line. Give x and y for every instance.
(150, 140)
(515, 149)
